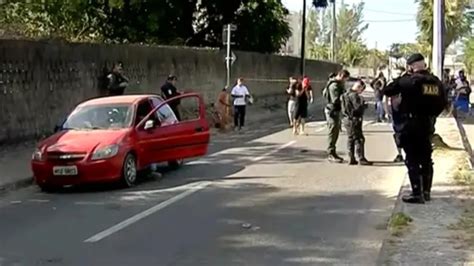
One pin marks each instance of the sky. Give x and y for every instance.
(390, 21)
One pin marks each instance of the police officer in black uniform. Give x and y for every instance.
(423, 99)
(168, 91)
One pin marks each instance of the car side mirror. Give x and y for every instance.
(150, 124)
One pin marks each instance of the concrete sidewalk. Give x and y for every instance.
(430, 239)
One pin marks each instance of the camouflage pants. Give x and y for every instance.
(355, 137)
(333, 121)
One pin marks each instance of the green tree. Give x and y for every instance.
(469, 54)
(375, 59)
(74, 20)
(350, 49)
(350, 27)
(262, 26)
(457, 24)
(312, 31)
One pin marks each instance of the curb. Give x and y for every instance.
(12, 186)
(398, 207)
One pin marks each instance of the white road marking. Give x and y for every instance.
(256, 159)
(15, 202)
(146, 213)
(199, 186)
(89, 203)
(39, 200)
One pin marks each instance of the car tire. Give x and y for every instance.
(175, 164)
(129, 170)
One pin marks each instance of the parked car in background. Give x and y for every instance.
(114, 138)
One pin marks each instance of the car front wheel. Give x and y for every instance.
(129, 170)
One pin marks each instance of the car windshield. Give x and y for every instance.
(110, 116)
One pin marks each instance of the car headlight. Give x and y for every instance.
(37, 155)
(106, 152)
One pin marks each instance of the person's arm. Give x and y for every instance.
(311, 99)
(165, 92)
(335, 92)
(247, 93)
(357, 105)
(392, 88)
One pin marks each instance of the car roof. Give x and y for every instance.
(122, 99)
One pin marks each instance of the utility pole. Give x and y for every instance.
(230, 56)
(228, 62)
(437, 57)
(333, 32)
(303, 40)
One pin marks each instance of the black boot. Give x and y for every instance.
(365, 162)
(360, 147)
(416, 196)
(427, 174)
(334, 158)
(352, 160)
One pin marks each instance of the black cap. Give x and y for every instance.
(415, 58)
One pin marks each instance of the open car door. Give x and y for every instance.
(172, 139)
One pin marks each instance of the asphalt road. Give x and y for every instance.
(263, 197)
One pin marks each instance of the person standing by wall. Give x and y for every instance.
(377, 85)
(353, 107)
(332, 93)
(168, 91)
(223, 108)
(290, 91)
(116, 80)
(304, 94)
(240, 94)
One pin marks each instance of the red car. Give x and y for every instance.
(114, 138)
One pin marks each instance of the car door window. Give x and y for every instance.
(164, 113)
(143, 109)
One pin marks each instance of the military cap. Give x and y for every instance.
(415, 58)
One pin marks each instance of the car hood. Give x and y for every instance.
(82, 141)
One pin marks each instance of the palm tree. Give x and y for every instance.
(457, 24)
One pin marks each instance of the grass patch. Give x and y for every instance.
(398, 223)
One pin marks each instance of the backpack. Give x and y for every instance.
(326, 93)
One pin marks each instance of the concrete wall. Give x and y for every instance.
(40, 82)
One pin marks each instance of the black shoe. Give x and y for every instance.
(413, 199)
(427, 196)
(352, 161)
(398, 159)
(335, 159)
(364, 161)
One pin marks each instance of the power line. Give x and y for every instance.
(388, 12)
(389, 21)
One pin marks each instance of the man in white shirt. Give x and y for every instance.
(240, 94)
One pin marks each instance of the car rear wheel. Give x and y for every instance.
(175, 164)
(129, 170)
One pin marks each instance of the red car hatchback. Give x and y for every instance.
(113, 138)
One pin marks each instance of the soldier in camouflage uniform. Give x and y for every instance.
(353, 107)
(332, 93)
